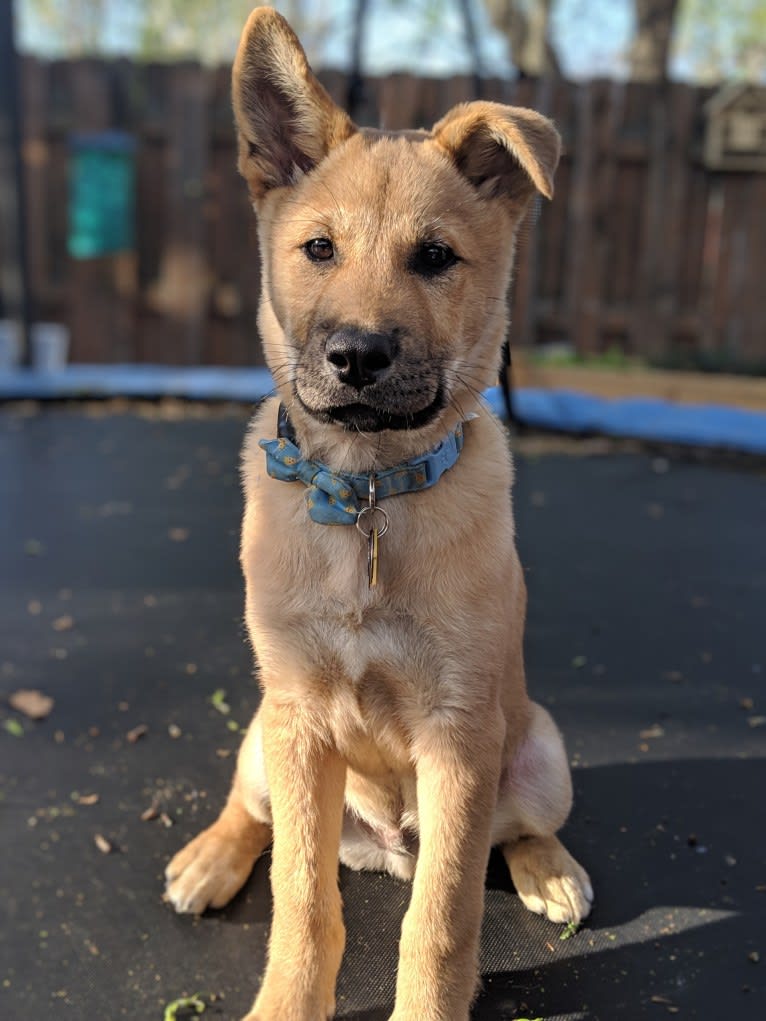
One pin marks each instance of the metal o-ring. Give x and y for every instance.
(372, 510)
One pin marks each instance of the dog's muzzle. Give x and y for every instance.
(369, 381)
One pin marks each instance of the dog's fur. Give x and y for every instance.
(395, 728)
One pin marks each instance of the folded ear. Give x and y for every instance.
(503, 150)
(286, 122)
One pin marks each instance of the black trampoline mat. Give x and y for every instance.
(121, 598)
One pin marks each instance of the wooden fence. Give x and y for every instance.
(642, 247)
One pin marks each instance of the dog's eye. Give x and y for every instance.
(432, 258)
(319, 249)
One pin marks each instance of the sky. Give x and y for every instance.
(396, 40)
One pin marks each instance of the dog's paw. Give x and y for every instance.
(285, 1008)
(210, 870)
(548, 879)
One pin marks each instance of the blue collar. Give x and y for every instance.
(336, 498)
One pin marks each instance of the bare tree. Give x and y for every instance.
(717, 39)
(650, 49)
(77, 25)
(526, 26)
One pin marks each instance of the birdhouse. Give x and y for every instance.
(735, 129)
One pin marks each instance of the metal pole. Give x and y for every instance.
(474, 48)
(14, 274)
(355, 98)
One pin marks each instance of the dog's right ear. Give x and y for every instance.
(286, 122)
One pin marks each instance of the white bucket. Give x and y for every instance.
(10, 344)
(50, 346)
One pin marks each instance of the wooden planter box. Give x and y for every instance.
(680, 387)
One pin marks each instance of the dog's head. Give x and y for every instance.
(385, 256)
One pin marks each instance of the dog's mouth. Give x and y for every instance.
(369, 418)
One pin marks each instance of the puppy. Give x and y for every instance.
(384, 597)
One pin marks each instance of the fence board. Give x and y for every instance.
(642, 246)
(101, 307)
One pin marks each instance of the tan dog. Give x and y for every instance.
(395, 728)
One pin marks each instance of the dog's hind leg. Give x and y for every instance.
(533, 806)
(215, 865)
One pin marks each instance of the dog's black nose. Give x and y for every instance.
(359, 358)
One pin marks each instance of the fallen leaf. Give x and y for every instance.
(150, 813)
(13, 727)
(655, 731)
(33, 548)
(184, 1003)
(104, 846)
(570, 930)
(136, 733)
(218, 701)
(87, 799)
(578, 662)
(32, 703)
(673, 675)
(63, 623)
(756, 721)
(178, 534)
(174, 731)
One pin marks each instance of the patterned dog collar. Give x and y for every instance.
(337, 498)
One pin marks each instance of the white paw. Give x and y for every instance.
(549, 881)
(567, 898)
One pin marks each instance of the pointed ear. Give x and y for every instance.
(502, 150)
(286, 122)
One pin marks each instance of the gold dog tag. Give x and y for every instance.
(372, 557)
(372, 534)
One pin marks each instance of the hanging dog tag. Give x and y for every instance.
(366, 522)
(372, 557)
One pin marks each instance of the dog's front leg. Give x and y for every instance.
(306, 782)
(458, 770)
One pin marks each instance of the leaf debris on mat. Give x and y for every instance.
(136, 733)
(85, 799)
(152, 812)
(218, 701)
(32, 703)
(105, 846)
(195, 1003)
(570, 929)
(13, 727)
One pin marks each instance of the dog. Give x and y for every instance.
(384, 597)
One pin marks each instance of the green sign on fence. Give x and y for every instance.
(102, 186)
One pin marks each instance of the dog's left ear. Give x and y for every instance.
(286, 121)
(505, 151)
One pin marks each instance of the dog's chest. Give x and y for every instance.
(391, 675)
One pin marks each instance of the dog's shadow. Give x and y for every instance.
(668, 846)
